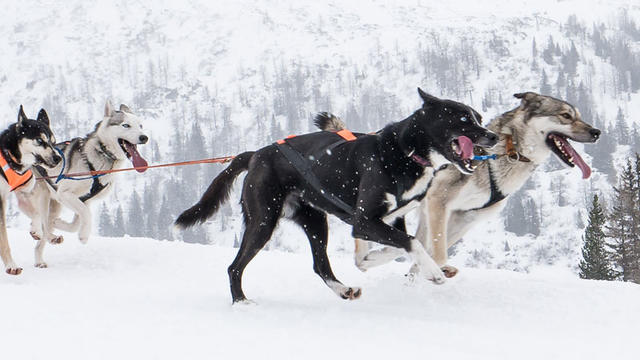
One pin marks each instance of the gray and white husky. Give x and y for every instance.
(455, 202)
(112, 142)
(23, 144)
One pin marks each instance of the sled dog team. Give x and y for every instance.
(439, 159)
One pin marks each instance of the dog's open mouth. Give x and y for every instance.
(132, 153)
(463, 149)
(560, 145)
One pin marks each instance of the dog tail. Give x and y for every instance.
(217, 193)
(328, 122)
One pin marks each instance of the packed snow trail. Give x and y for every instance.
(134, 298)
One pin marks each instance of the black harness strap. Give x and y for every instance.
(496, 195)
(96, 186)
(303, 166)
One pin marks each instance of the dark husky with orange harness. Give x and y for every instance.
(360, 180)
(24, 144)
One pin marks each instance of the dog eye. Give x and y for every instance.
(39, 142)
(464, 118)
(126, 126)
(566, 116)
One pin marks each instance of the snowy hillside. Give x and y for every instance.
(135, 298)
(217, 78)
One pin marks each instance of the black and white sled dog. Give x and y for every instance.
(112, 142)
(361, 180)
(24, 144)
(455, 201)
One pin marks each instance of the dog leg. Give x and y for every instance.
(261, 207)
(25, 205)
(361, 249)
(72, 226)
(39, 252)
(379, 257)
(366, 259)
(82, 211)
(314, 224)
(5, 251)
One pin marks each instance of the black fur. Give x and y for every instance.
(359, 172)
(24, 128)
(217, 193)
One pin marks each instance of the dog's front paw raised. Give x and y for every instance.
(449, 271)
(84, 238)
(351, 293)
(59, 239)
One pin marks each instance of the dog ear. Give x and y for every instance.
(21, 116)
(43, 117)
(108, 109)
(526, 97)
(426, 98)
(125, 108)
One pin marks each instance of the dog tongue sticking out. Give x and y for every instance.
(575, 157)
(136, 159)
(466, 147)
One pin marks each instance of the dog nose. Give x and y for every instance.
(493, 138)
(144, 139)
(595, 133)
(56, 159)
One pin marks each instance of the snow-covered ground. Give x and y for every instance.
(135, 298)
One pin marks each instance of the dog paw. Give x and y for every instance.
(12, 270)
(35, 235)
(83, 239)
(244, 302)
(57, 240)
(42, 265)
(351, 293)
(449, 271)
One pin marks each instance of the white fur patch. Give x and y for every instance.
(420, 186)
(399, 212)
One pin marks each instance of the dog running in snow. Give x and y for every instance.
(113, 141)
(24, 144)
(455, 202)
(375, 175)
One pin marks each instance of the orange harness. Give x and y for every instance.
(345, 134)
(14, 179)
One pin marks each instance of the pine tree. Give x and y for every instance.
(621, 226)
(595, 260)
(118, 223)
(135, 222)
(548, 52)
(545, 88)
(622, 129)
(105, 227)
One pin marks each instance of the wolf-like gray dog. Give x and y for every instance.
(455, 202)
(112, 142)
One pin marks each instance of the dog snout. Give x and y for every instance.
(488, 140)
(56, 159)
(595, 133)
(143, 139)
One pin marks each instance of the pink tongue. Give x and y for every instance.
(136, 159)
(466, 147)
(577, 159)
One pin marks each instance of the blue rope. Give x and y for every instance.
(485, 157)
(64, 165)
